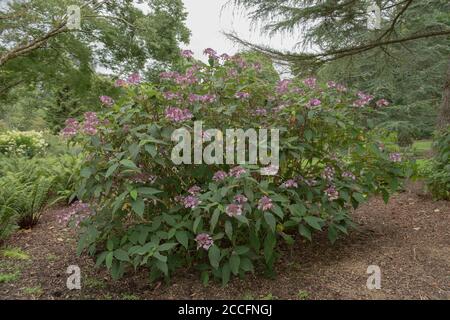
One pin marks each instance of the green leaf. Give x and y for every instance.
(128, 163)
(138, 207)
(182, 237)
(305, 232)
(270, 220)
(313, 222)
(86, 172)
(161, 265)
(269, 245)
(358, 197)
(214, 256)
(246, 264)
(167, 246)
(121, 255)
(148, 191)
(109, 259)
(226, 274)
(229, 229)
(196, 224)
(234, 263)
(160, 257)
(151, 149)
(111, 170)
(133, 194)
(240, 250)
(110, 245)
(332, 234)
(205, 278)
(214, 219)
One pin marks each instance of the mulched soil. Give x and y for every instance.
(409, 239)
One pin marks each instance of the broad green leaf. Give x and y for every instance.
(182, 237)
(214, 256)
(270, 220)
(138, 207)
(234, 263)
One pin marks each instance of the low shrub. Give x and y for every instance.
(22, 143)
(438, 181)
(223, 219)
(27, 186)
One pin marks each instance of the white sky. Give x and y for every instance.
(206, 20)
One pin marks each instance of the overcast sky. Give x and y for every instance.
(207, 18)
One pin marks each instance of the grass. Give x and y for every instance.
(302, 295)
(129, 297)
(94, 283)
(16, 254)
(34, 291)
(9, 277)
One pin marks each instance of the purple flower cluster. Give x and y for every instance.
(364, 99)
(240, 199)
(207, 98)
(181, 79)
(90, 123)
(291, 183)
(219, 176)
(187, 54)
(310, 82)
(395, 157)
(332, 193)
(260, 112)
(237, 171)
(132, 79)
(283, 86)
(178, 115)
(349, 175)
(76, 212)
(168, 95)
(106, 100)
(382, 103)
(328, 173)
(194, 190)
(190, 202)
(233, 210)
(204, 241)
(211, 53)
(265, 203)
(242, 95)
(71, 129)
(314, 102)
(143, 178)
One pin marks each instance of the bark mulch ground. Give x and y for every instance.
(409, 239)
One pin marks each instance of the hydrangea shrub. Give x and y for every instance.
(221, 219)
(22, 143)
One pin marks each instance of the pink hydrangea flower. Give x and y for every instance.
(194, 190)
(314, 102)
(382, 103)
(187, 54)
(283, 86)
(291, 183)
(178, 115)
(211, 53)
(71, 129)
(265, 203)
(242, 95)
(204, 241)
(310, 82)
(332, 193)
(191, 202)
(120, 83)
(240, 199)
(237, 171)
(219, 176)
(233, 210)
(395, 157)
(134, 78)
(106, 100)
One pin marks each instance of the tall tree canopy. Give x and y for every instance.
(405, 60)
(37, 45)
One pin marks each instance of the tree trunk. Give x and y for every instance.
(444, 113)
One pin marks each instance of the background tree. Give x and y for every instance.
(38, 48)
(404, 61)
